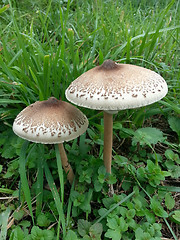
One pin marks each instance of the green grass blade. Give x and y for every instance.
(27, 60)
(45, 24)
(172, 105)
(6, 191)
(3, 9)
(60, 172)
(58, 81)
(58, 229)
(45, 34)
(128, 48)
(60, 55)
(31, 30)
(170, 229)
(23, 177)
(69, 206)
(119, 50)
(67, 14)
(101, 57)
(3, 223)
(159, 25)
(114, 207)
(39, 84)
(9, 101)
(63, 84)
(7, 70)
(76, 65)
(19, 53)
(56, 197)
(40, 179)
(7, 51)
(71, 43)
(61, 20)
(170, 188)
(143, 45)
(46, 74)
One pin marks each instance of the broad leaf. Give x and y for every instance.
(157, 208)
(42, 220)
(147, 136)
(71, 235)
(17, 234)
(96, 230)
(37, 233)
(83, 227)
(112, 223)
(169, 201)
(176, 216)
(174, 123)
(113, 234)
(4, 216)
(123, 226)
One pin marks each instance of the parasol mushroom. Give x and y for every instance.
(112, 87)
(51, 122)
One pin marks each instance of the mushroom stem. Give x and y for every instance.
(108, 140)
(66, 165)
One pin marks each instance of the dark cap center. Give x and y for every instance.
(108, 65)
(52, 99)
(51, 102)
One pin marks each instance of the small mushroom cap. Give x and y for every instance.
(51, 121)
(113, 86)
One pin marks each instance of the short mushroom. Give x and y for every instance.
(51, 122)
(112, 87)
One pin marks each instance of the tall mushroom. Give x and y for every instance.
(51, 122)
(112, 87)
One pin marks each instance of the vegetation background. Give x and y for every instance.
(44, 45)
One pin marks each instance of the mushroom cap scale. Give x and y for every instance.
(49, 122)
(113, 86)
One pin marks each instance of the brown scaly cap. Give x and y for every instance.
(113, 86)
(50, 121)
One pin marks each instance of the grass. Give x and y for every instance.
(43, 47)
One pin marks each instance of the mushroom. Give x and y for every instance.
(112, 87)
(51, 122)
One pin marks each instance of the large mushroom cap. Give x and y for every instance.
(113, 86)
(51, 121)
